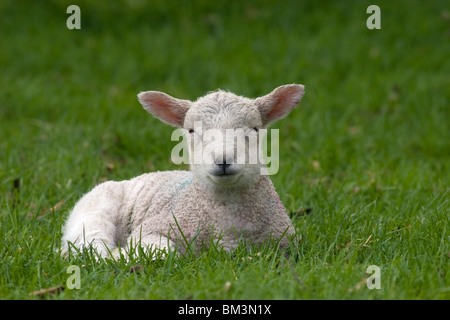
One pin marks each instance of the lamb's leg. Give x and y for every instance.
(95, 220)
(150, 244)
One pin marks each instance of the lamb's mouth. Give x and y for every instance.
(224, 178)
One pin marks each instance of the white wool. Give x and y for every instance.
(212, 201)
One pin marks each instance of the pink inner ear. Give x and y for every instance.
(160, 102)
(278, 110)
(165, 108)
(285, 101)
(167, 114)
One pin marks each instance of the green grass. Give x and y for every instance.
(364, 163)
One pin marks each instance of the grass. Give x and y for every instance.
(364, 163)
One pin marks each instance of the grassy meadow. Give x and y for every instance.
(364, 160)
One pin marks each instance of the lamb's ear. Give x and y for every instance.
(279, 102)
(164, 107)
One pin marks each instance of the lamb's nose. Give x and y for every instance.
(226, 168)
(224, 165)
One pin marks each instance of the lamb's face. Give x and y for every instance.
(223, 130)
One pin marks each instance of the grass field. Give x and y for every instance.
(364, 160)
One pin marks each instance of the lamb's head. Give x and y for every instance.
(224, 130)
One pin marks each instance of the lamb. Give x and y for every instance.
(220, 198)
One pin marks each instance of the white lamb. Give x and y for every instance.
(220, 198)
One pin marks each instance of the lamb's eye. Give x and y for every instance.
(191, 130)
